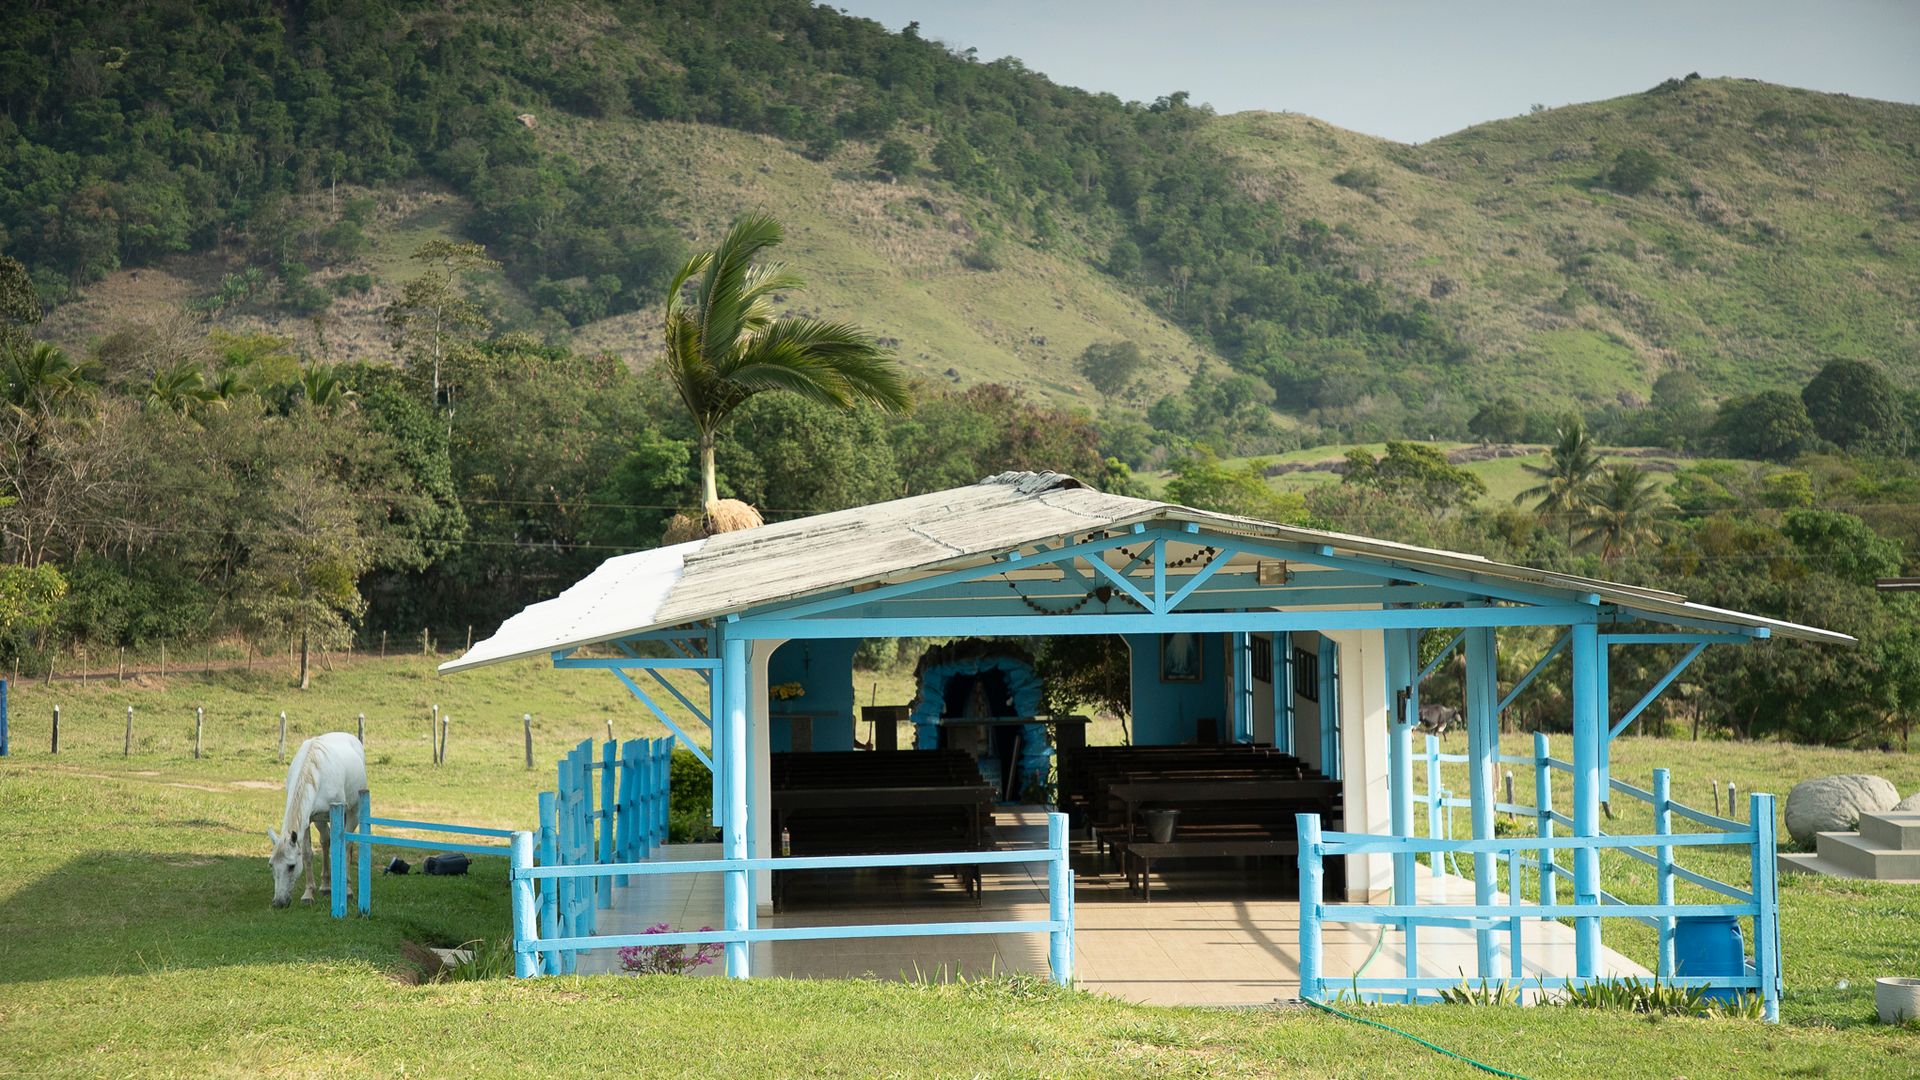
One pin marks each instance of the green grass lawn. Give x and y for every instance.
(136, 939)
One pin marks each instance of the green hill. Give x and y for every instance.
(1741, 231)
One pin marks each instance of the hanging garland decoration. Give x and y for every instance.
(1204, 553)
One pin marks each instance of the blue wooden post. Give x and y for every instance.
(1766, 919)
(1402, 675)
(1059, 902)
(663, 792)
(525, 931)
(366, 853)
(1516, 965)
(550, 888)
(734, 821)
(1312, 884)
(626, 807)
(1663, 868)
(337, 857)
(609, 817)
(1589, 727)
(1438, 859)
(1483, 747)
(1543, 816)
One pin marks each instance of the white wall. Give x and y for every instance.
(760, 839)
(1364, 710)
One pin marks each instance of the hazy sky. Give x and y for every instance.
(1413, 70)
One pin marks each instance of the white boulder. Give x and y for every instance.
(1835, 803)
(1909, 805)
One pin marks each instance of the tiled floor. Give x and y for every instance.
(1216, 938)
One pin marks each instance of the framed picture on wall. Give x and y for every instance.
(1180, 659)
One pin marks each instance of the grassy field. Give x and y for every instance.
(135, 936)
(1505, 477)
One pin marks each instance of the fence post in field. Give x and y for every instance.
(83, 669)
(443, 738)
(199, 721)
(383, 644)
(126, 749)
(425, 648)
(56, 730)
(1733, 807)
(163, 658)
(51, 657)
(360, 729)
(433, 733)
(526, 725)
(469, 637)
(283, 735)
(123, 665)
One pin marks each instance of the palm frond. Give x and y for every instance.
(724, 306)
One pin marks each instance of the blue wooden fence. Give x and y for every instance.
(1540, 854)
(622, 815)
(552, 918)
(588, 821)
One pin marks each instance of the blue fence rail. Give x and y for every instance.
(1505, 858)
(616, 818)
(543, 944)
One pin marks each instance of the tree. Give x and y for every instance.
(303, 572)
(725, 345)
(19, 304)
(1566, 477)
(1633, 171)
(896, 159)
(1855, 407)
(1111, 366)
(433, 310)
(1501, 420)
(1621, 506)
(1204, 482)
(180, 389)
(1417, 473)
(1772, 426)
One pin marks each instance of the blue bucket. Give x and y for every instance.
(1709, 945)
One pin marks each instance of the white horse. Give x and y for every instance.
(327, 769)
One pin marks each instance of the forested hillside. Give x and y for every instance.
(1737, 231)
(335, 320)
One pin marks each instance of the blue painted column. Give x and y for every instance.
(1402, 673)
(1589, 727)
(1483, 748)
(734, 821)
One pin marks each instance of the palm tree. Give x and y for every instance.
(724, 344)
(321, 387)
(1621, 508)
(39, 376)
(180, 389)
(1567, 475)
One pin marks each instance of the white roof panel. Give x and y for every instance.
(734, 572)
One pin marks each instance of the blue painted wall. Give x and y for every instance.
(1164, 713)
(825, 668)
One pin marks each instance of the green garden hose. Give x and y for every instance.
(1482, 1066)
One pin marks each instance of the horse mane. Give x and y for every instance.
(303, 781)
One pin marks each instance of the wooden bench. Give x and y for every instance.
(863, 803)
(1140, 854)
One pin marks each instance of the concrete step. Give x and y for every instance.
(1867, 859)
(1891, 830)
(1806, 862)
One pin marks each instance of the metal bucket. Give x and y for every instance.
(1160, 824)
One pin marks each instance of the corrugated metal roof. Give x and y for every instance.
(734, 572)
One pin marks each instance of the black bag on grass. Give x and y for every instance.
(447, 863)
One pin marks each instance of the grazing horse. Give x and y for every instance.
(328, 769)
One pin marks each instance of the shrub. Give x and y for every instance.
(1359, 179)
(1634, 170)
